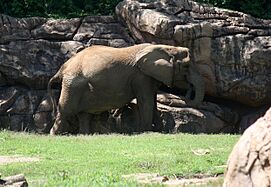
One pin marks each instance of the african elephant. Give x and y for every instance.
(100, 78)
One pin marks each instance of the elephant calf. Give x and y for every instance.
(101, 78)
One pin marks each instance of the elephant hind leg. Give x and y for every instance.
(60, 126)
(67, 105)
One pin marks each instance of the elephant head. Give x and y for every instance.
(173, 67)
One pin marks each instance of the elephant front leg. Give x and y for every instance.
(145, 89)
(157, 121)
(146, 107)
(189, 92)
(84, 123)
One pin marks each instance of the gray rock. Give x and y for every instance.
(57, 29)
(102, 30)
(231, 49)
(14, 29)
(207, 118)
(33, 63)
(17, 108)
(43, 116)
(249, 161)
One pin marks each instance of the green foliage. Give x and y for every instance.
(257, 8)
(57, 8)
(72, 8)
(101, 160)
(260, 8)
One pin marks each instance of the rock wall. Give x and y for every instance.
(31, 52)
(231, 49)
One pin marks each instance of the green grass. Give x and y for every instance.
(101, 160)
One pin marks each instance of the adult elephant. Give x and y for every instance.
(101, 78)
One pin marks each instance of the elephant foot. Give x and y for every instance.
(54, 131)
(148, 129)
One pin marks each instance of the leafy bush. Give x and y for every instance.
(73, 8)
(257, 8)
(57, 8)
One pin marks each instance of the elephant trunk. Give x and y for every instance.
(195, 78)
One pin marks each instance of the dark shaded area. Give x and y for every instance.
(57, 8)
(257, 8)
(75, 8)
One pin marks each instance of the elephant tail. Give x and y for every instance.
(56, 78)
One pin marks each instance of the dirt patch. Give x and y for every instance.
(152, 178)
(12, 159)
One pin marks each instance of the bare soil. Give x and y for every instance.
(12, 159)
(152, 178)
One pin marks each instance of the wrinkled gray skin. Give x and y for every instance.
(101, 78)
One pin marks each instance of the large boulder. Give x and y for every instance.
(232, 50)
(177, 116)
(249, 161)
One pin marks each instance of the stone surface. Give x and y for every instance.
(31, 52)
(231, 49)
(18, 105)
(33, 63)
(59, 29)
(249, 162)
(33, 49)
(176, 116)
(102, 30)
(14, 29)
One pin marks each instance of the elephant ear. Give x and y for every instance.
(154, 61)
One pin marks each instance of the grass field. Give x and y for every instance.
(102, 160)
